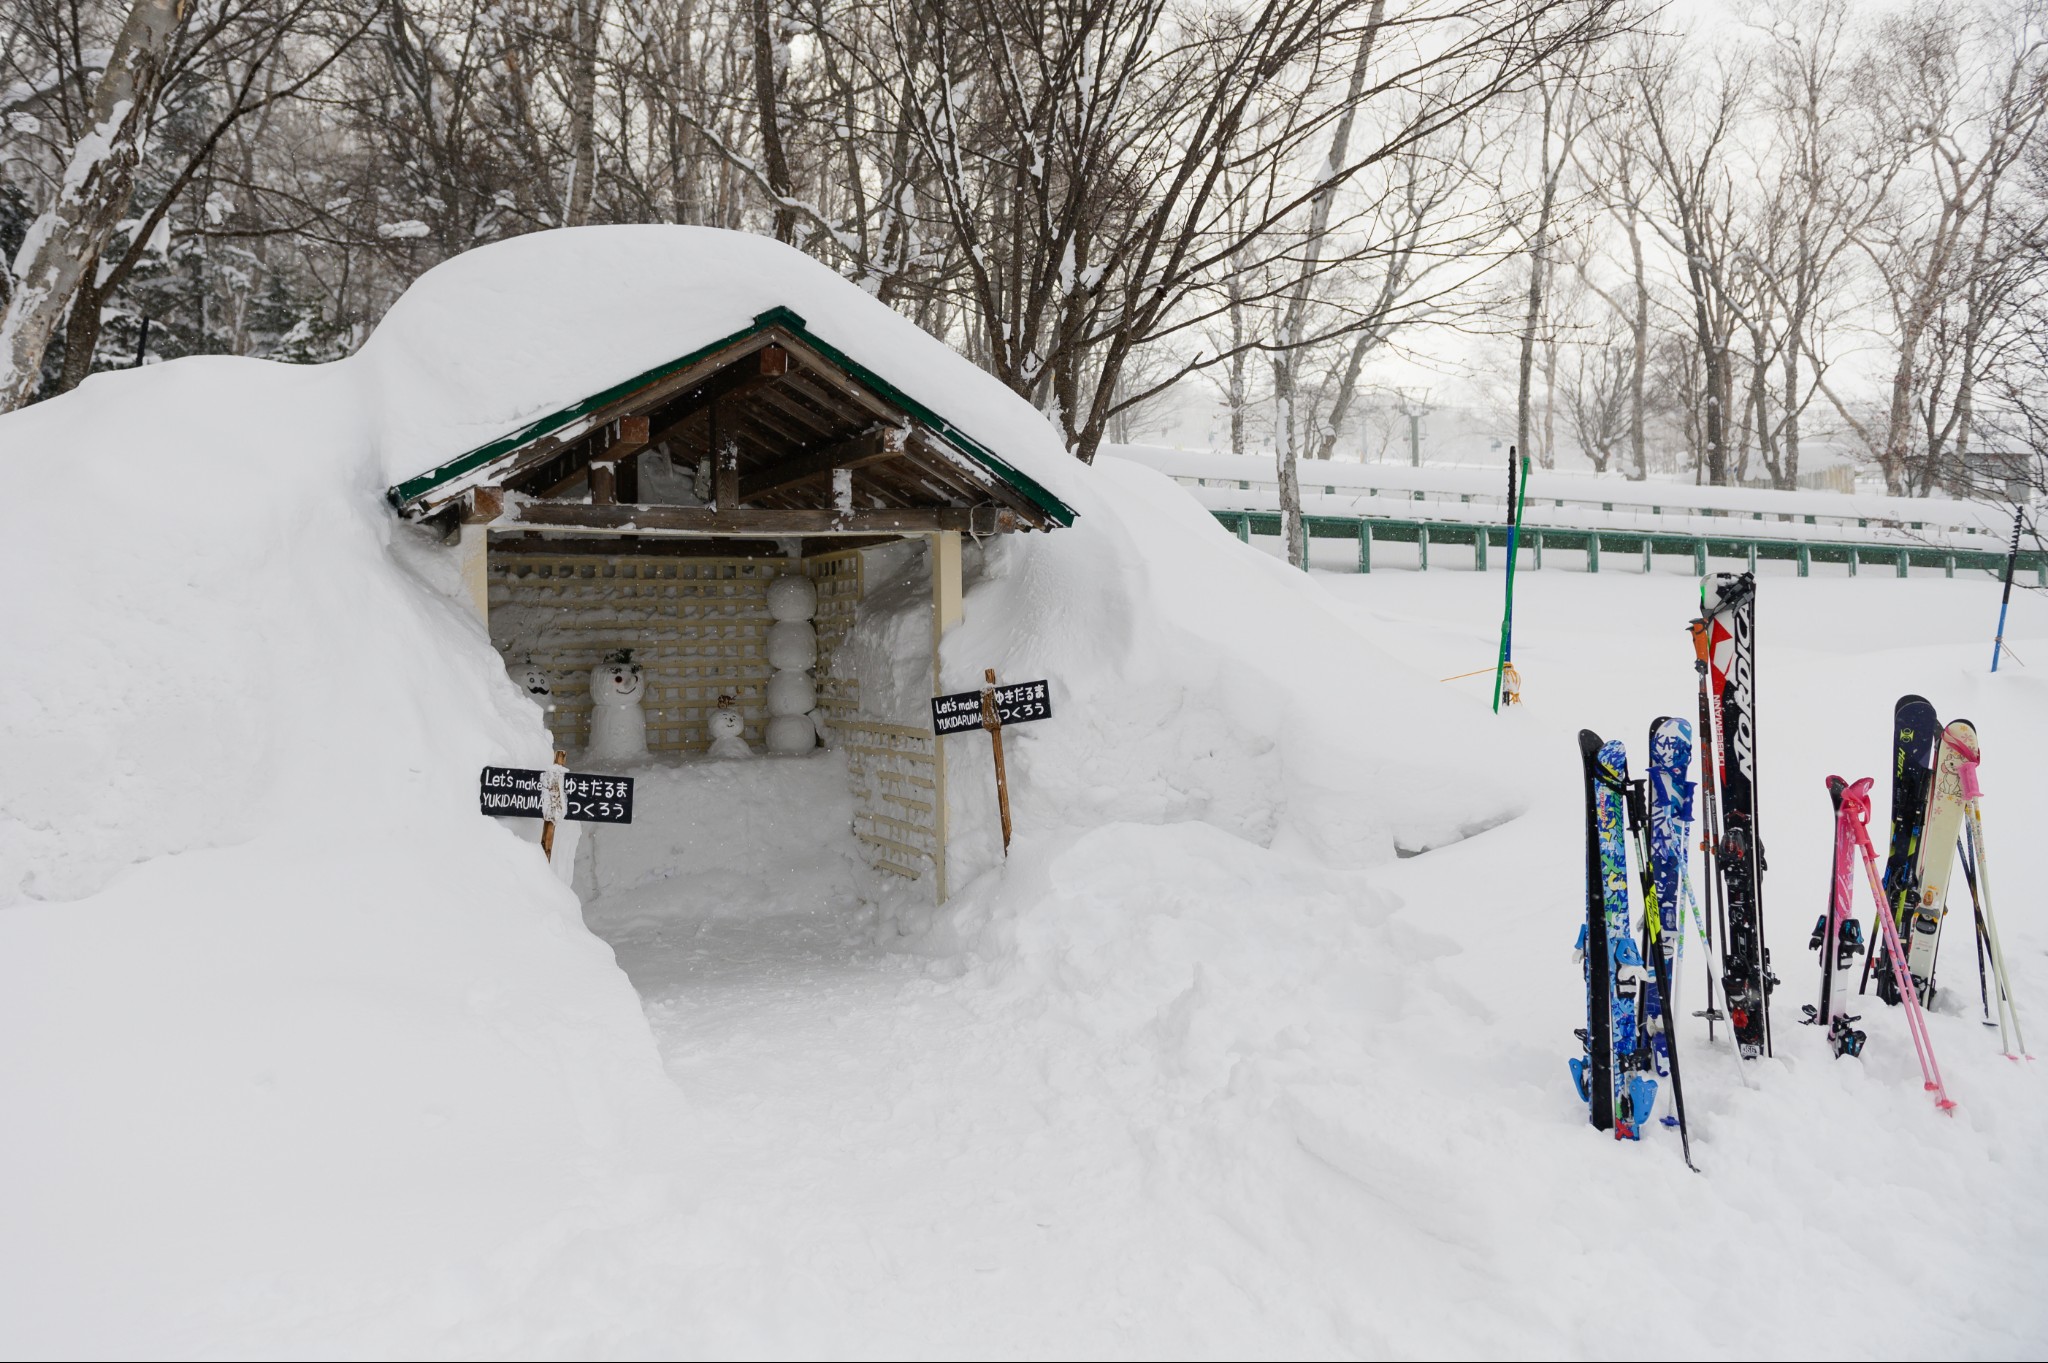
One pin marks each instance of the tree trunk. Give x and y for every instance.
(1714, 364)
(1539, 268)
(1640, 360)
(585, 19)
(1791, 446)
(81, 331)
(767, 85)
(65, 241)
(1287, 363)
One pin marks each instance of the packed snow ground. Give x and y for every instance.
(1219, 1144)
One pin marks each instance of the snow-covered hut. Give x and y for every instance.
(637, 493)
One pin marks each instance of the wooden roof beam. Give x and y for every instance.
(753, 521)
(608, 470)
(869, 447)
(767, 365)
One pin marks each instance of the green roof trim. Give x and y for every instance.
(1033, 491)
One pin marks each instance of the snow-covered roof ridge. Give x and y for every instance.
(497, 343)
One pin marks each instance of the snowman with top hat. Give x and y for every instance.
(618, 721)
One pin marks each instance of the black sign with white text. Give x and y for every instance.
(1015, 704)
(519, 792)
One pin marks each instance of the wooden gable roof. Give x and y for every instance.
(803, 439)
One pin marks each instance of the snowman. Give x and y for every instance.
(792, 652)
(535, 679)
(728, 729)
(618, 725)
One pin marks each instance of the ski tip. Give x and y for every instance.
(1589, 742)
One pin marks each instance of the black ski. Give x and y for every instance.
(1728, 605)
(1595, 1073)
(1915, 730)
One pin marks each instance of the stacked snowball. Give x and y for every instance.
(792, 652)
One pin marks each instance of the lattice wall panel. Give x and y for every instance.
(839, 581)
(895, 795)
(696, 626)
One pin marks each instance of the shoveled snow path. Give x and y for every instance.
(915, 1166)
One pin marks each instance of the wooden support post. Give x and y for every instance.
(1244, 528)
(1479, 539)
(1365, 546)
(725, 475)
(1852, 560)
(993, 722)
(1948, 565)
(1538, 546)
(1649, 546)
(944, 549)
(1752, 557)
(1422, 546)
(486, 504)
(1699, 558)
(1805, 557)
(1905, 564)
(1592, 551)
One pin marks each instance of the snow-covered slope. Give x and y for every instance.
(285, 1027)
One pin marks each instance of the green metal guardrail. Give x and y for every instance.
(1806, 553)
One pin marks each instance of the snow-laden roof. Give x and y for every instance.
(485, 346)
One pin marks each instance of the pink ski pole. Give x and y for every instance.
(1856, 812)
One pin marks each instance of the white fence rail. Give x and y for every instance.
(1579, 501)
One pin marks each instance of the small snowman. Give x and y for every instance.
(728, 729)
(618, 724)
(792, 652)
(534, 678)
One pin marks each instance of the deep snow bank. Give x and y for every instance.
(1195, 679)
(291, 1023)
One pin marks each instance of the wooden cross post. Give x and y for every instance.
(992, 722)
(547, 827)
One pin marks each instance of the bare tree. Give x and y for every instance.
(1559, 104)
(1967, 100)
(64, 244)
(1692, 126)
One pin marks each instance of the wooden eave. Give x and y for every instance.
(791, 410)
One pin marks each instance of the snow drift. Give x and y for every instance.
(300, 1048)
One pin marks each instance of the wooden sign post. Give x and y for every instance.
(993, 722)
(554, 794)
(990, 709)
(553, 803)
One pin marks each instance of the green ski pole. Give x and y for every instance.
(1507, 619)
